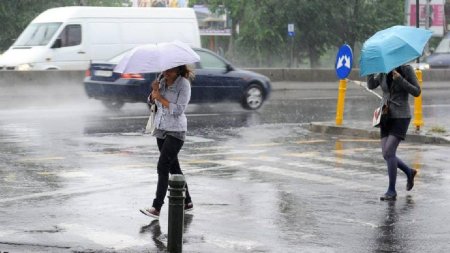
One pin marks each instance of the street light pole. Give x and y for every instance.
(417, 21)
(418, 119)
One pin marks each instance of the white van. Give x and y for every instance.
(68, 38)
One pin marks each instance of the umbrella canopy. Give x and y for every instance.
(157, 57)
(392, 47)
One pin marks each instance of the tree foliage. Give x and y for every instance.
(15, 15)
(319, 26)
(259, 27)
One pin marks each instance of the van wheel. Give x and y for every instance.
(113, 105)
(253, 97)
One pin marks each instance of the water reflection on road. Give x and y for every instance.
(261, 181)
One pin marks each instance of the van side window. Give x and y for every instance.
(70, 36)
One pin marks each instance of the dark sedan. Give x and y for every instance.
(216, 80)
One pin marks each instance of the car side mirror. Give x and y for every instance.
(57, 43)
(229, 68)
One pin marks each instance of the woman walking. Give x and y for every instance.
(171, 95)
(396, 87)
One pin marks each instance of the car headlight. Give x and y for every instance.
(24, 67)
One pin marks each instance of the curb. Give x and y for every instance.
(330, 128)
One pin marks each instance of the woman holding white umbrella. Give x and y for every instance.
(171, 95)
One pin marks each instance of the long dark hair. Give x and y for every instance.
(186, 72)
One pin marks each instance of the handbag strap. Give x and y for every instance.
(389, 100)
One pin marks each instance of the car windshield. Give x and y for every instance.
(444, 46)
(37, 34)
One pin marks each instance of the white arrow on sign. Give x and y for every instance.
(343, 61)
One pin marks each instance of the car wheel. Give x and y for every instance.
(253, 97)
(113, 104)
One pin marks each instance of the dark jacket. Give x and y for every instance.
(401, 88)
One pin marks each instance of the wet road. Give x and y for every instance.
(74, 175)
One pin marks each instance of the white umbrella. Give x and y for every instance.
(157, 57)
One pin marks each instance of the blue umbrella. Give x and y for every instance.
(392, 47)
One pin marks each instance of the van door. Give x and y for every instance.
(68, 51)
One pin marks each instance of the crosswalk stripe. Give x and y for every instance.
(310, 177)
(309, 141)
(36, 159)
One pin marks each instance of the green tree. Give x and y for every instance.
(262, 32)
(236, 11)
(319, 26)
(356, 20)
(312, 22)
(15, 15)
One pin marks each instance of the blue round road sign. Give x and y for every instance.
(344, 61)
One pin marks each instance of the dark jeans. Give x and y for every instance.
(167, 163)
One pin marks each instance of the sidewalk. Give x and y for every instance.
(428, 134)
(436, 130)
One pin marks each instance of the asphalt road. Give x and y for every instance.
(73, 176)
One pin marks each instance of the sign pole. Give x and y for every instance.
(291, 34)
(341, 102)
(418, 119)
(343, 65)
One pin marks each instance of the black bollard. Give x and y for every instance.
(176, 213)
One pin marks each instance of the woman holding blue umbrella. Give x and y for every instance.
(396, 85)
(383, 59)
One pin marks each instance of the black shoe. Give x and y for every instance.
(389, 197)
(188, 207)
(410, 183)
(151, 212)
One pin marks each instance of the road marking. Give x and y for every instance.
(15, 140)
(331, 169)
(266, 158)
(309, 141)
(146, 117)
(310, 177)
(437, 105)
(359, 140)
(329, 98)
(212, 148)
(265, 144)
(202, 115)
(303, 154)
(132, 166)
(37, 159)
(78, 191)
(197, 161)
(106, 238)
(232, 152)
(343, 161)
(128, 117)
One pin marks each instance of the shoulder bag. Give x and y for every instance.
(381, 113)
(150, 128)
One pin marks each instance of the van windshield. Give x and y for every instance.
(444, 46)
(37, 34)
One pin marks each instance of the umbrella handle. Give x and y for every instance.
(364, 85)
(160, 77)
